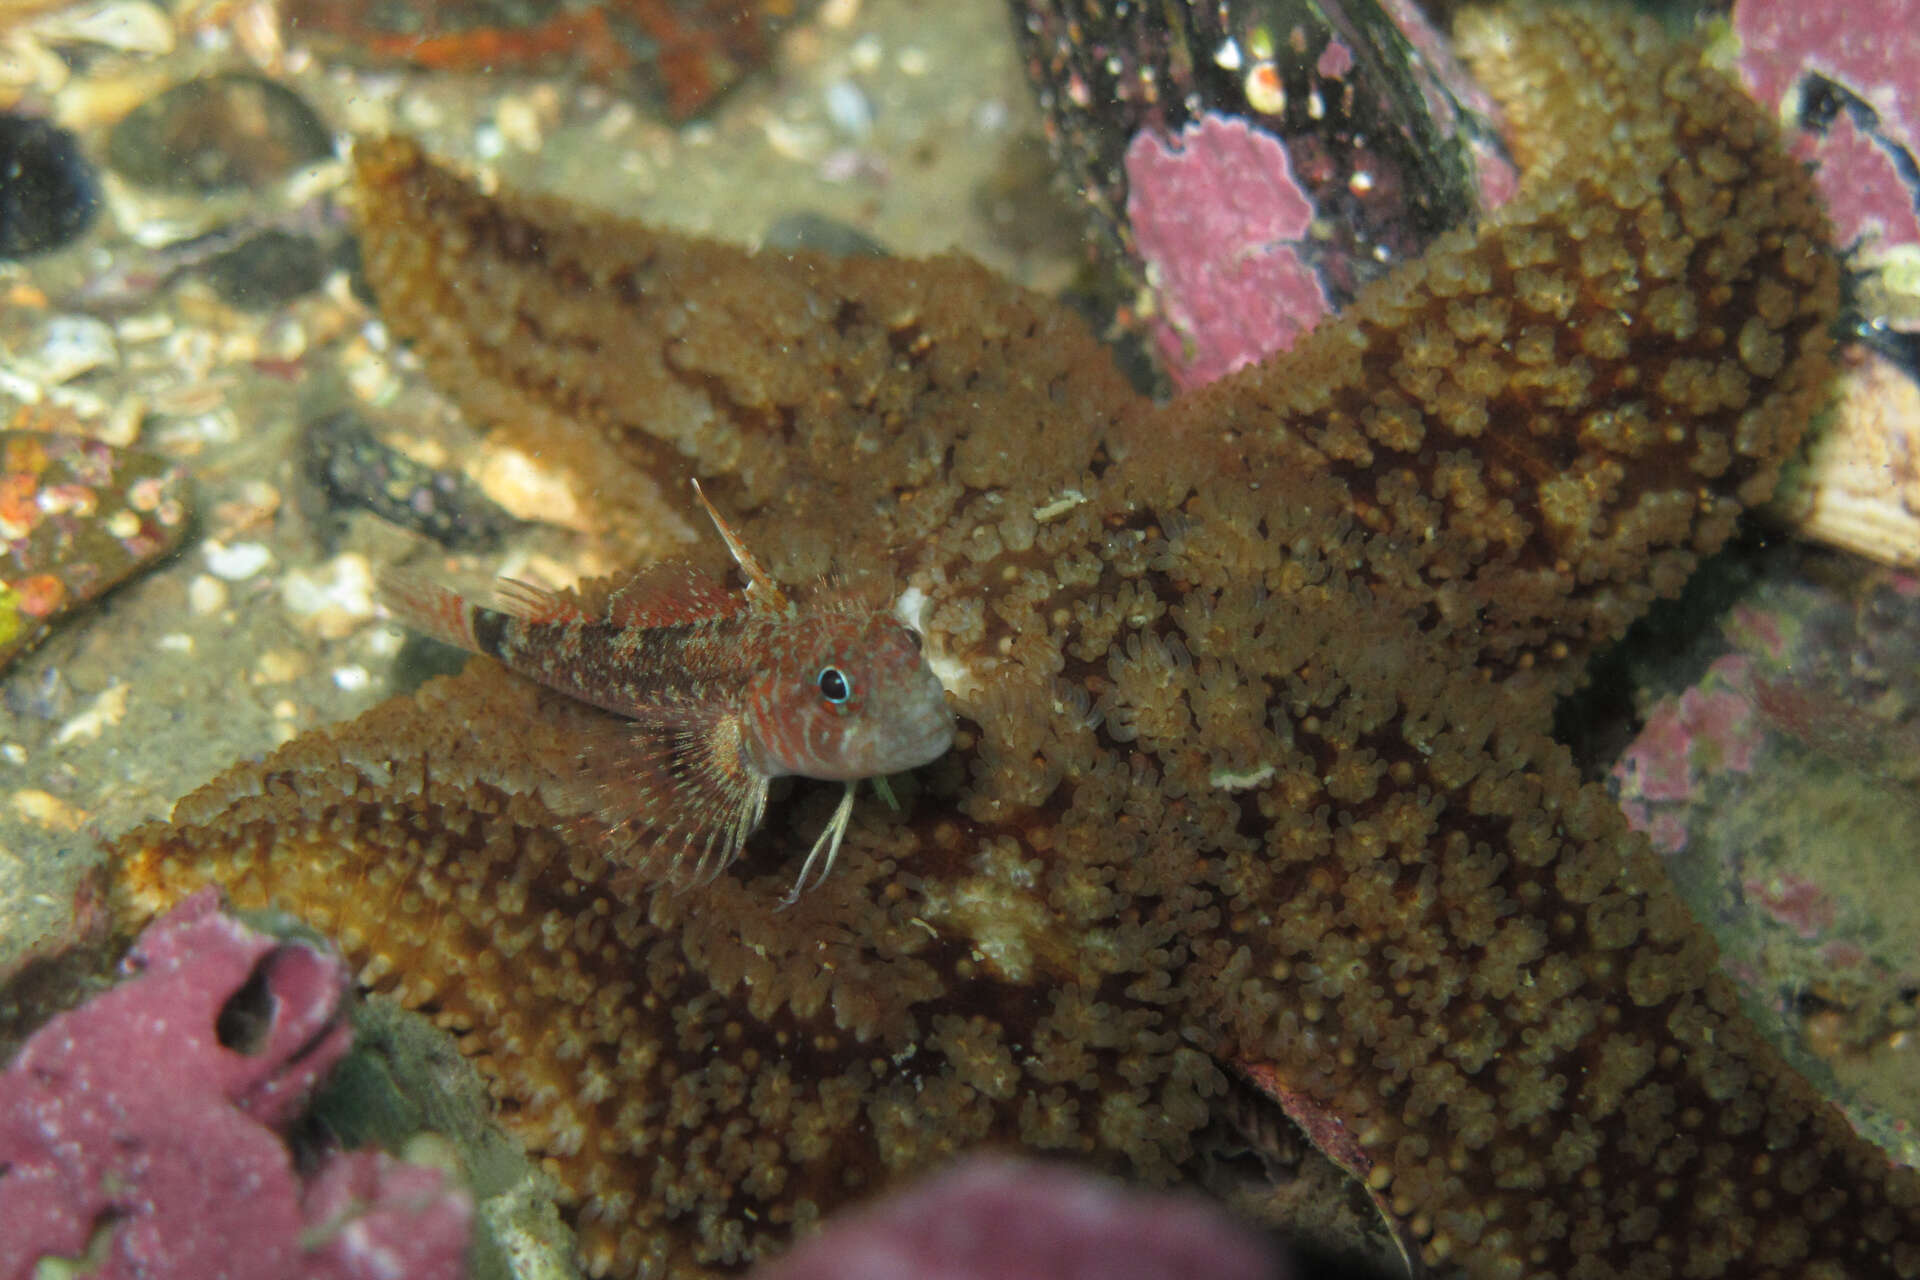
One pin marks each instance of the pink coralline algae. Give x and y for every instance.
(1219, 220)
(1706, 730)
(139, 1131)
(1794, 901)
(1848, 78)
(996, 1218)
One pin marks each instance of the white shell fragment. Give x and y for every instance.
(1860, 486)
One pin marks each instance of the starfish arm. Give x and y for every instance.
(1689, 361)
(634, 373)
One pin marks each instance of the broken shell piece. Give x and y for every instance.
(1859, 488)
(131, 26)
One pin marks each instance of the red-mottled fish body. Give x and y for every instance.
(726, 691)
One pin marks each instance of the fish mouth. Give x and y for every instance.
(911, 739)
(916, 741)
(936, 735)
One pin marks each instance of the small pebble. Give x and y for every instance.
(867, 53)
(528, 490)
(69, 346)
(143, 327)
(385, 642)
(250, 508)
(206, 595)
(850, 110)
(278, 666)
(332, 600)
(846, 164)
(108, 708)
(839, 14)
(518, 120)
(124, 418)
(800, 142)
(235, 563)
(368, 374)
(48, 191)
(47, 810)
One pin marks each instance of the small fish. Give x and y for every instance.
(725, 690)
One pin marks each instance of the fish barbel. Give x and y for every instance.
(725, 691)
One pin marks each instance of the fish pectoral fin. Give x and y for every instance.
(673, 787)
(721, 795)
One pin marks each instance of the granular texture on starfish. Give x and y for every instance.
(1245, 783)
(1544, 424)
(703, 1071)
(847, 390)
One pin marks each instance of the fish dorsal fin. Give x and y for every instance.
(670, 594)
(667, 594)
(531, 602)
(763, 593)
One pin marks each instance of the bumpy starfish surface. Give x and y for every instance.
(1253, 775)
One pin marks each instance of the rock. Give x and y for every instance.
(269, 269)
(350, 468)
(76, 517)
(809, 230)
(48, 193)
(232, 130)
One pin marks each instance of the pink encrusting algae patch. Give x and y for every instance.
(141, 1131)
(1335, 60)
(1219, 219)
(1706, 730)
(1870, 53)
(995, 1218)
(1794, 901)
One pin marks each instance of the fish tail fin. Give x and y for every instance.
(427, 606)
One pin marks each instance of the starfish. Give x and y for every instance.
(1253, 776)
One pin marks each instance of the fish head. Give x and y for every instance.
(847, 695)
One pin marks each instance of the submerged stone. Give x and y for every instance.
(48, 194)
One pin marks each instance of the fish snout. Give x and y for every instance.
(929, 735)
(917, 729)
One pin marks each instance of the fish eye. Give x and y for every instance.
(834, 685)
